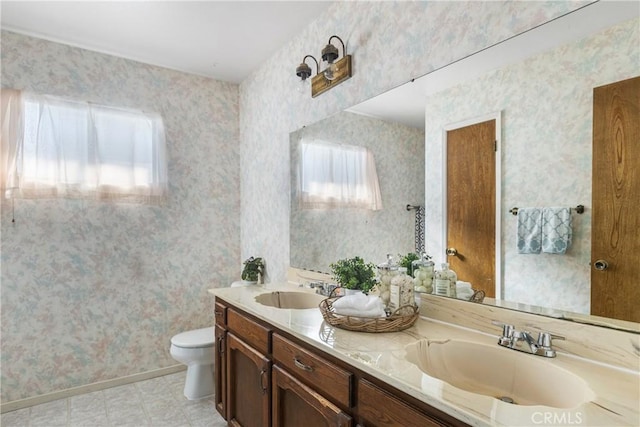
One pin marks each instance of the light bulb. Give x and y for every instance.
(303, 85)
(331, 71)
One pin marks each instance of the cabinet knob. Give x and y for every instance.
(601, 265)
(452, 252)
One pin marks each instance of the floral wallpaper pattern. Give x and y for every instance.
(94, 291)
(320, 237)
(546, 103)
(391, 43)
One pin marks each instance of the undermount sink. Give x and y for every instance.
(291, 300)
(503, 374)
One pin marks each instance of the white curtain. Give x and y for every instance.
(58, 147)
(332, 176)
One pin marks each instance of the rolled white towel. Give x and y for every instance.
(463, 290)
(465, 295)
(359, 305)
(463, 286)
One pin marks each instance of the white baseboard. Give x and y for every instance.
(61, 394)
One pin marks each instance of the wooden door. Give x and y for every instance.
(615, 232)
(471, 201)
(220, 364)
(295, 404)
(248, 385)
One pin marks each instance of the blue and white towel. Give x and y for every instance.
(529, 230)
(556, 230)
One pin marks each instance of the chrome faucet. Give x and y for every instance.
(514, 339)
(323, 288)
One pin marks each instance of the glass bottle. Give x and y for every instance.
(386, 272)
(453, 282)
(401, 290)
(445, 281)
(423, 271)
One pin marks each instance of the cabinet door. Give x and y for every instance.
(220, 371)
(378, 408)
(295, 404)
(248, 385)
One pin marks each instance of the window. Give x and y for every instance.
(57, 147)
(332, 175)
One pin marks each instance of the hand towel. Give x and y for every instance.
(359, 305)
(463, 290)
(556, 230)
(529, 230)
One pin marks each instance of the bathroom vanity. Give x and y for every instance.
(279, 366)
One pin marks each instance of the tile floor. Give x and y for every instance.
(157, 402)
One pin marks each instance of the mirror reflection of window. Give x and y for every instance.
(337, 176)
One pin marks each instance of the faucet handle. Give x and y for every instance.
(316, 284)
(544, 339)
(507, 329)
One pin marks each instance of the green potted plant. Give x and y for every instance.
(407, 260)
(253, 269)
(354, 273)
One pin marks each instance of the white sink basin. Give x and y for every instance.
(503, 374)
(290, 300)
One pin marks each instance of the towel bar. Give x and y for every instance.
(579, 209)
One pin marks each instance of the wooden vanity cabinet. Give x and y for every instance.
(295, 404)
(248, 373)
(220, 361)
(248, 385)
(307, 388)
(265, 377)
(220, 371)
(378, 408)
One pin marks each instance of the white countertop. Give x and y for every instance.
(382, 355)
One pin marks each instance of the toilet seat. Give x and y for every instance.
(197, 338)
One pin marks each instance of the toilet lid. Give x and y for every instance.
(197, 338)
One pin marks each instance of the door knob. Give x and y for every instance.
(452, 252)
(601, 265)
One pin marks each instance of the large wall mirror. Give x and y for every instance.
(541, 86)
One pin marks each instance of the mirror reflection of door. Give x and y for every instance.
(615, 233)
(471, 204)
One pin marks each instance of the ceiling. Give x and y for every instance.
(225, 40)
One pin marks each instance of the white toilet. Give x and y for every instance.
(196, 350)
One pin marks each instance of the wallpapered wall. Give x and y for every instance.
(94, 291)
(391, 43)
(91, 290)
(546, 103)
(320, 237)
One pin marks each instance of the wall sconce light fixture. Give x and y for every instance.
(335, 70)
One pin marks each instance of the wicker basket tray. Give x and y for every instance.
(402, 318)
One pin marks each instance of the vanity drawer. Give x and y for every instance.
(250, 331)
(378, 408)
(322, 375)
(220, 313)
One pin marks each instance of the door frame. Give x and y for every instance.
(497, 116)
